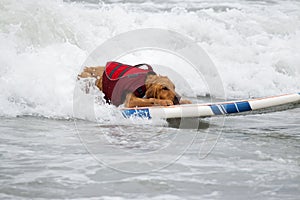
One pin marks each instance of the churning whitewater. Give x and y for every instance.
(44, 45)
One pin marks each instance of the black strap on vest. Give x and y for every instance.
(115, 69)
(128, 68)
(124, 71)
(139, 65)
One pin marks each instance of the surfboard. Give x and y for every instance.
(210, 109)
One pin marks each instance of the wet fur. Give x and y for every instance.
(160, 91)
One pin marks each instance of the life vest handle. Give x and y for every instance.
(142, 64)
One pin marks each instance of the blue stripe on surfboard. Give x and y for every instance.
(142, 113)
(216, 110)
(228, 108)
(220, 109)
(243, 106)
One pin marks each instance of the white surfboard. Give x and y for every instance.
(212, 109)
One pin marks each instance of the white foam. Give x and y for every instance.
(44, 43)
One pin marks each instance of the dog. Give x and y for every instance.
(133, 86)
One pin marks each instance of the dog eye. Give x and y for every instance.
(165, 88)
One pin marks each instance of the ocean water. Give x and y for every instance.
(51, 149)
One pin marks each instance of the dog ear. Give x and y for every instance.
(150, 86)
(152, 91)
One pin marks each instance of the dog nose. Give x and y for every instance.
(176, 99)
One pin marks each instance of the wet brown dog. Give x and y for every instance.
(160, 91)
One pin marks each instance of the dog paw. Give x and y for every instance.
(84, 75)
(185, 101)
(163, 102)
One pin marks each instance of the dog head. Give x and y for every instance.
(161, 87)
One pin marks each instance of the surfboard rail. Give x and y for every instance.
(210, 109)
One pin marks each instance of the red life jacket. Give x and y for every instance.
(119, 79)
